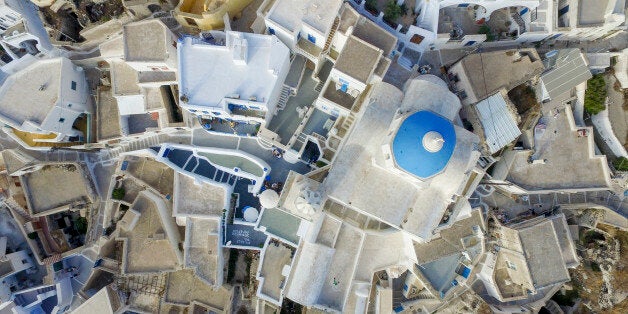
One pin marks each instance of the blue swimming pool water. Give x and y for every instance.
(408, 148)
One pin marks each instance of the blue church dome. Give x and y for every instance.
(424, 144)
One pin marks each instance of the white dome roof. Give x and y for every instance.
(433, 141)
(269, 199)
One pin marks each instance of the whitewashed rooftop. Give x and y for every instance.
(37, 96)
(319, 14)
(209, 73)
(390, 197)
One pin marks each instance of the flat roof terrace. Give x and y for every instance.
(147, 247)
(338, 279)
(183, 287)
(338, 96)
(375, 35)
(276, 256)
(154, 173)
(202, 248)
(319, 14)
(108, 124)
(285, 122)
(145, 41)
(30, 94)
(568, 159)
(358, 59)
(208, 73)
(124, 79)
(197, 198)
(45, 193)
(591, 11)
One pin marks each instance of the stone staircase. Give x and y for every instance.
(301, 138)
(319, 86)
(348, 122)
(404, 62)
(12, 204)
(286, 92)
(332, 33)
(133, 145)
(52, 259)
(520, 22)
(264, 143)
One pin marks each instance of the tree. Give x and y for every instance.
(118, 193)
(484, 29)
(81, 225)
(392, 11)
(595, 95)
(371, 6)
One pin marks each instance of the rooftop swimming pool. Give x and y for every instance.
(232, 161)
(281, 224)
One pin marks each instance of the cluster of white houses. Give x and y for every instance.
(383, 201)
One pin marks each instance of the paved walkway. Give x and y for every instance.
(542, 202)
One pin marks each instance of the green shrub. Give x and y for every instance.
(81, 225)
(321, 164)
(567, 299)
(621, 164)
(118, 193)
(32, 235)
(392, 11)
(484, 29)
(595, 95)
(371, 6)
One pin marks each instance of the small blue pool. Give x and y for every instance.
(410, 151)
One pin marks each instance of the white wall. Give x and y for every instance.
(336, 76)
(308, 30)
(151, 66)
(77, 97)
(130, 104)
(274, 95)
(287, 37)
(16, 261)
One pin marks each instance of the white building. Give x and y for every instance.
(150, 46)
(142, 68)
(531, 263)
(234, 76)
(53, 299)
(13, 263)
(416, 188)
(20, 28)
(148, 61)
(304, 26)
(528, 21)
(8, 17)
(352, 73)
(46, 97)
